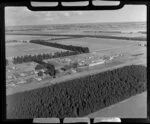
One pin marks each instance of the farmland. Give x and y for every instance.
(98, 48)
(98, 44)
(30, 37)
(114, 53)
(94, 44)
(20, 49)
(130, 108)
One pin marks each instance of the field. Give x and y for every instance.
(98, 44)
(98, 47)
(29, 37)
(130, 108)
(20, 49)
(110, 47)
(129, 51)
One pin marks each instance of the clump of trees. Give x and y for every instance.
(62, 46)
(50, 68)
(79, 97)
(30, 58)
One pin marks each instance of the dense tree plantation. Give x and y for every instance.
(31, 58)
(62, 46)
(79, 97)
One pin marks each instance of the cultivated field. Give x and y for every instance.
(128, 52)
(130, 108)
(20, 49)
(29, 37)
(98, 47)
(110, 47)
(96, 44)
(85, 35)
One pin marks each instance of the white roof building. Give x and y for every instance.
(97, 63)
(22, 74)
(21, 82)
(39, 79)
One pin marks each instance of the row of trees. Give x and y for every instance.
(78, 97)
(30, 58)
(62, 46)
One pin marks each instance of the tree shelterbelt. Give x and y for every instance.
(31, 58)
(62, 46)
(79, 97)
(73, 50)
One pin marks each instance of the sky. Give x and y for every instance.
(22, 16)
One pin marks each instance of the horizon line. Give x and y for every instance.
(74, 23)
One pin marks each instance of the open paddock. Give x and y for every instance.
(19, 37)
(121, 51)
(21, 49)
(129, 108)
(24, 37)
(96, 44)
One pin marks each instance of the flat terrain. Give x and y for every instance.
(29, 37)
(20, 49)
(100, 44)
(128, 29)
(134, 107)
(98, 47)
(97, 38)
(23, 37)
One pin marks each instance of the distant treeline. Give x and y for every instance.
(88, 35)
(62, 46)
(31, 58)
(78, 97)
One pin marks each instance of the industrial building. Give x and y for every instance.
(97, 62)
